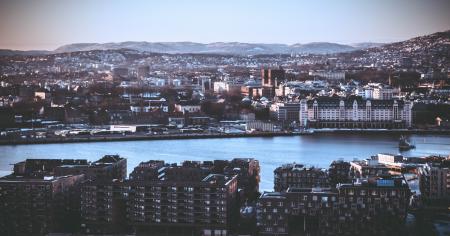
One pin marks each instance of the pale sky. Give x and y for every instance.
(47, 24)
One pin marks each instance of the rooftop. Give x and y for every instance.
(272, 195)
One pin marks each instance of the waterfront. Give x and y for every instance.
(318, 150)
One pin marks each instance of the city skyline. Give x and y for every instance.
(46, 25)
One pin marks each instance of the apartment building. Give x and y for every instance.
(299, 176)
(369, 206)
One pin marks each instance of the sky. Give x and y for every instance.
(48, 24)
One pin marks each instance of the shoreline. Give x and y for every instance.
(75, 139)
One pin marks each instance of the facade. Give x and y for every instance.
(383, 93)
(434, 180)
(272, 214)
(43, 195)
(354, 112)
(367, 168)
(377, 91)
(271, 78)
(182, 199)
(37, 205)
(186, 106)
(374, 206)
(285, 112)
(103, 207)
(194, 198)
(247, 171)
(263, 126)
(386, 158)
(251, 90)
(339, 172)
(299, 176)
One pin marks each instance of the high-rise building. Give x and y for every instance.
(182, 199)
(37, 205)
(194, 198)
(104, 207)
(43, 195)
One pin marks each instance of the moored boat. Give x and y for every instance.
(404, 144)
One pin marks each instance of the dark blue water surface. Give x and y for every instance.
(318, 150)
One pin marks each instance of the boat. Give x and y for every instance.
(404, 145)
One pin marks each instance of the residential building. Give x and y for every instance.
(434, 180)
(104, 207)
(107, 168)
(299, 176)
(182, 199)
(339, 172)
(371, 206)
(37, 205)
(272, 214)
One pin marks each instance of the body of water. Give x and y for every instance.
(318, 150)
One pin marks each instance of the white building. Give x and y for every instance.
(185, 106)
(383, 93)
(332, 75)
(355, 112)
(220, 87)
(150, 105)
(378, 91)
(123, 128)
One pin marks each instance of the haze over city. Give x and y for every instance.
(225, 117)
(48, 24)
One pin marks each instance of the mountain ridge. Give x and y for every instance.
(238, 48)
(229, 48)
